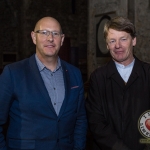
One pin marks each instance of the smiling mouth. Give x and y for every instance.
(118, 52)
(49, 46)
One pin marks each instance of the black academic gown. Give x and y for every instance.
(114, 108)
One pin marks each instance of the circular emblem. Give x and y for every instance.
(144, 124)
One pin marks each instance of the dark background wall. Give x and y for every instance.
(18, 18)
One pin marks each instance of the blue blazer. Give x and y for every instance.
(33, 123)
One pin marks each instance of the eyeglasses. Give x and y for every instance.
(46, 33)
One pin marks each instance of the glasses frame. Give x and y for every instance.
(47, 33)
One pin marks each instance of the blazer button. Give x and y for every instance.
(57, 140)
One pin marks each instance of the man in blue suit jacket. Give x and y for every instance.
(43, 97)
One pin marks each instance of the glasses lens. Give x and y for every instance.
(46, 33)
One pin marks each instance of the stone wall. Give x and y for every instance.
(18, 18)
(8, 26)
(79, 19)
(71, 14)
(142, 22)
(138, 11)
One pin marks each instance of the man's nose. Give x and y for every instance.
(118, 44)
(50, 37)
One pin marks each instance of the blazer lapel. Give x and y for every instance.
(39, 83)
(67, 88)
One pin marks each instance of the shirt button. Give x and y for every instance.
(54, 88)
(54, 103)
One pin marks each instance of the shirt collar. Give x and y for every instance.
(124, 67)
(41, 66)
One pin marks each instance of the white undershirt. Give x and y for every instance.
(125, 71)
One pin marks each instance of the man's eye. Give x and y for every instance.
(112, 41)
(44, 32)
(55, 33)
(123, 39)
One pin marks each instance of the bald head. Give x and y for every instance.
(48, 38)
(48, 21)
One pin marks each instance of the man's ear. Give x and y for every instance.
(33, 36)
(107, 46)
(62, 39)
(134, 42)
